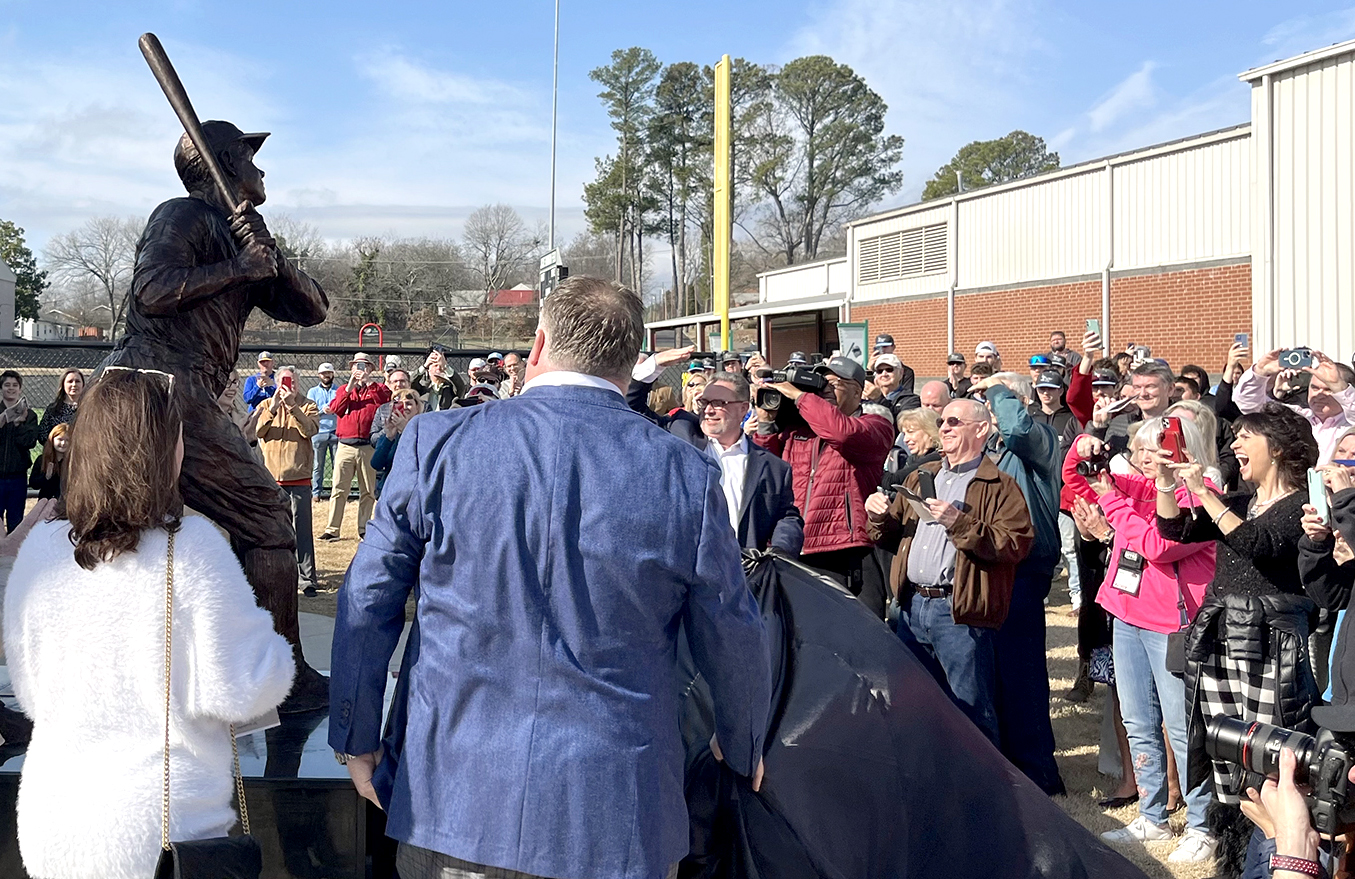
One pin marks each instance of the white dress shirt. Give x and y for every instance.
(733, 473)
(565, 378)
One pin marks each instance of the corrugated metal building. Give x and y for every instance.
(1177, 246)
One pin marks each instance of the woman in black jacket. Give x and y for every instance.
(63, 408)
(46, 476)
(1245, 653)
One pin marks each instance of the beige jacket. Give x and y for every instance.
(285, 437)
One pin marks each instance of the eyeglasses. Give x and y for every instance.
(953, 422)
(710, 403)
(884, 369)
(166, 376)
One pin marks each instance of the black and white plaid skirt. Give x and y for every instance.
(1244, 689)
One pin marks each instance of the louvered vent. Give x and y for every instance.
(920, 251)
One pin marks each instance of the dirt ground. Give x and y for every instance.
(1077, 728)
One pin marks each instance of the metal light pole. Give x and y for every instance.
(554, 108)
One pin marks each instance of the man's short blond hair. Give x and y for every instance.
(593, 326)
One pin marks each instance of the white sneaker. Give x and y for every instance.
(1195, 847)
(1140, 830)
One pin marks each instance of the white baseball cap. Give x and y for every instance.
(985, 348)
(477, 363)
(326, 367)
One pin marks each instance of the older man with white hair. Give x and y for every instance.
(957, 560)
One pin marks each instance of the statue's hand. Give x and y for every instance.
(248, 226)
(258, 262)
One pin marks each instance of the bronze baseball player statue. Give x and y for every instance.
(203, 265)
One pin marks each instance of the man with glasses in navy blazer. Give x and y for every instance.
(541, 734)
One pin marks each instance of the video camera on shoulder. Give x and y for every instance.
(1100, 462)
(1324, 763)
(802, 377)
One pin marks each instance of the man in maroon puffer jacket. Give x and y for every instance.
(836, 458)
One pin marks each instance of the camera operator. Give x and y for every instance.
(355, 404)
(1029, 452)
(403, 407)
(1331, 399)
(437, 382)
(396, 380)
(836, 456)
(1224, 407)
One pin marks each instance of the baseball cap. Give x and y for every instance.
(393, 362)
(361, 357)
(889, 360)
(477, 363)
(495, 356)
(983, 348)
(1058, 360)
(955, 357)
(695, 366)
(1039, 360)
(326, 367)
(728, 357)
(218, 134)
(797, 358)
(483, 389)
(1105, 378)
(882, 340)
(1050, 378)
(707, 363)
(843, 367)
(264, 355)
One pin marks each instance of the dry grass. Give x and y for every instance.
(1077, 728)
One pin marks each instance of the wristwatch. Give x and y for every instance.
(1296, 865)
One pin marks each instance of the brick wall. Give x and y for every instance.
(1147, 310)
(1186, 317)
(918, 328)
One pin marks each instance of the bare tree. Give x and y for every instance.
(102, 251)
(498, 246)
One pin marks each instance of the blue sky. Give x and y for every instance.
(400, 118)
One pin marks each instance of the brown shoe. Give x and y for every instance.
(1082, 687)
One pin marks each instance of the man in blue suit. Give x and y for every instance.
(542, 734)
(758, 486)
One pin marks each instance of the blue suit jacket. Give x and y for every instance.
(542, 731)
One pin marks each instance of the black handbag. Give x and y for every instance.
(228, 857)
(1176, 641)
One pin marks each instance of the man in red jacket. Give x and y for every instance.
(355, 404)
(836, 458)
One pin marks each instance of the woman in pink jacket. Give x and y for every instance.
(1153, 588)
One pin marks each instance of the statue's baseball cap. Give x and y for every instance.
(219, 135)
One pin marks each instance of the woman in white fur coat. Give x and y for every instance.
(84, 630)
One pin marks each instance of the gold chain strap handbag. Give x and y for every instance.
(227, 857)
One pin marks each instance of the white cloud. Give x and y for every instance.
(1305, 33)
(1134, 93)
(950, 73)
(409, 80)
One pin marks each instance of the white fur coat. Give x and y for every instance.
(86, 657)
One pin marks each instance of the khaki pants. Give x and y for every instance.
(349, 460)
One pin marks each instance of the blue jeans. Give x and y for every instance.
(1068, 546)
(322, 443)
(1151, 696)
(13, 496)
(961, 658)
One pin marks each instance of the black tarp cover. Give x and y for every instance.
(871, 771)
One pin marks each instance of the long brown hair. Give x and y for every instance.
(120, 471)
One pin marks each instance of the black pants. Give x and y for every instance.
(857, 570)
(1093, 626)
(1025, 731)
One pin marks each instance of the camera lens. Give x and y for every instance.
(1256, 746)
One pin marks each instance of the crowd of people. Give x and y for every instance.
(1204, 578)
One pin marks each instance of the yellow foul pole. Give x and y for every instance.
(724, 221)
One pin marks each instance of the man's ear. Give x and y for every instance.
(226, 159)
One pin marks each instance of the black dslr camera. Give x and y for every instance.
(1324, 763)
(1100, 463)
(802, 377)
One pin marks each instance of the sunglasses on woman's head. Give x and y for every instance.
(167, 377)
